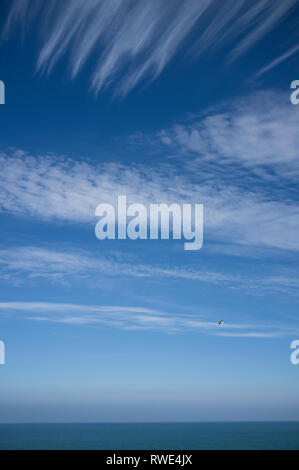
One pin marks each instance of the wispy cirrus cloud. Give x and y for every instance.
(35, 262)
(29, 263)
(135, 318)
(64, 192)
(277, 61)
(133, 40)
(238, 161)
(256, 134)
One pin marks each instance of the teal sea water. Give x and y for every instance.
(149, 436)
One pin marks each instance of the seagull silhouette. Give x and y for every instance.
(220, 322)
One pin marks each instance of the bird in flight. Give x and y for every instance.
(220, 322)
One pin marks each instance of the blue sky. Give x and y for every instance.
(181, 101)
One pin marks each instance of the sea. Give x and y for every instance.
(151, 436)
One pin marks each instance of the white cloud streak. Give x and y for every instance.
(35, 262)
(132, 318)
(133, 40)
(277, 61)
(23, 264)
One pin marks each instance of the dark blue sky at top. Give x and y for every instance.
(96, 122)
